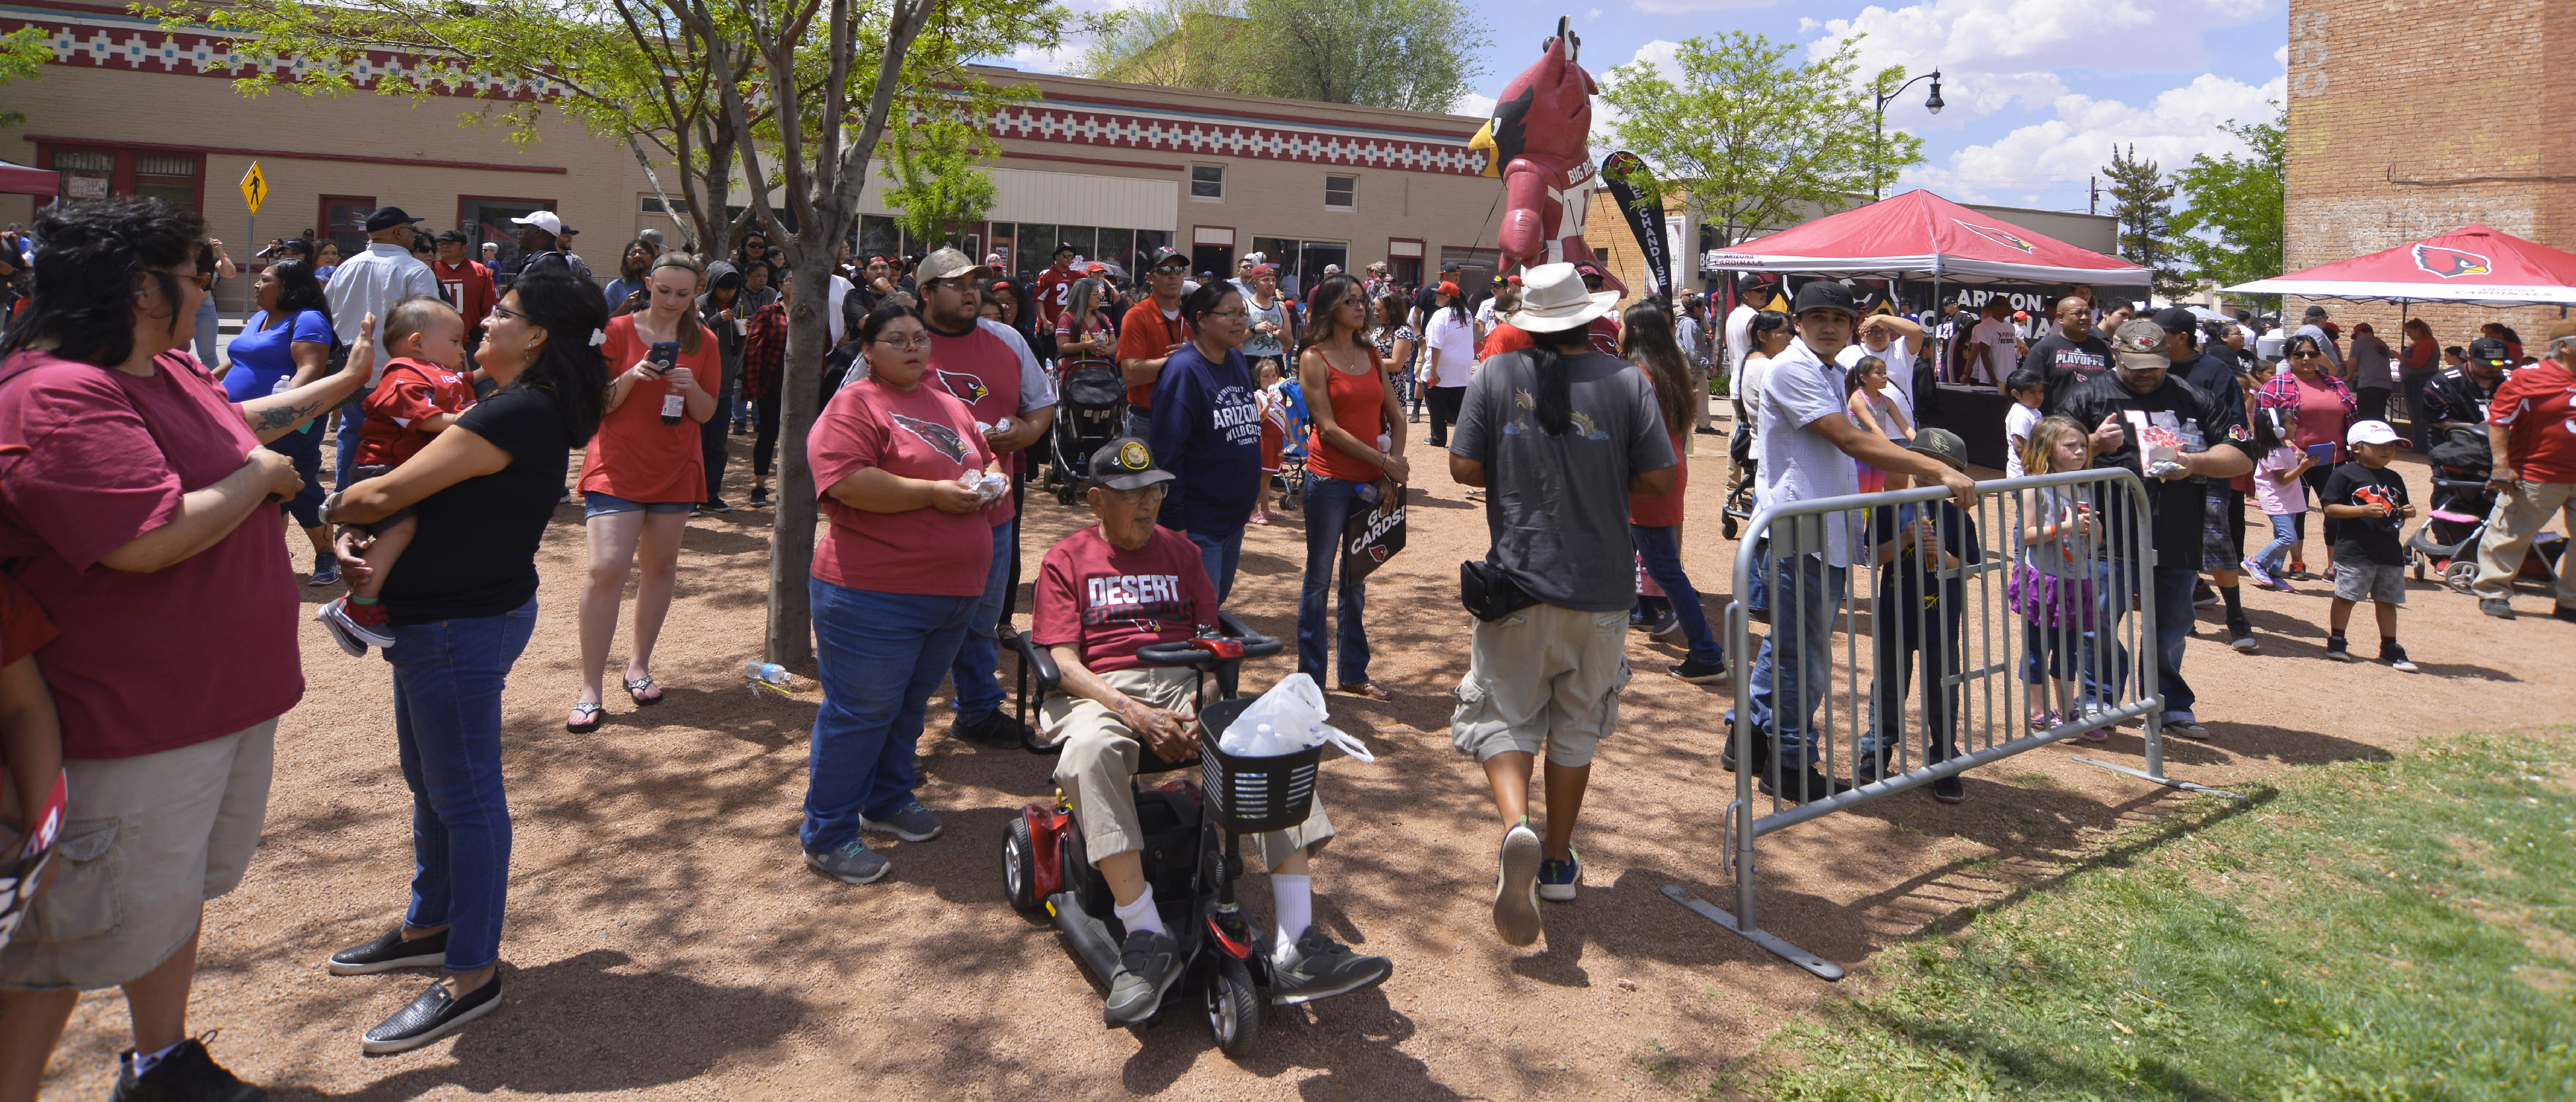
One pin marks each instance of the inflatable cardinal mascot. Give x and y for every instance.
(1538, 142)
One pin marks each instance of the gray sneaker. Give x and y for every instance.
(914, 823)
(1516, 886)
(1147, 966)
(2187, 728)
(1317, 967)
(853, 863)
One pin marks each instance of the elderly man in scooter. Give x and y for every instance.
(1103, 594)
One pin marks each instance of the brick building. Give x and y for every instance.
(1117, 169)
(2412, 117)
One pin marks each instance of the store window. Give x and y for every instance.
(878, 236)
(1207, 182)
(1147, 242)
(96, 173)
(1036, 247)
(344, 222)
(1341, 192)
(489, 220)
(173, 179)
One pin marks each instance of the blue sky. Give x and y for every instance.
(2036, 91)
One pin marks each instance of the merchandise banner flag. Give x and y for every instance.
(1645, 218)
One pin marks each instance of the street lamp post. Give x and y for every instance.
(1878, 150)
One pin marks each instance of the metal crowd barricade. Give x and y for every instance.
(1983, 664)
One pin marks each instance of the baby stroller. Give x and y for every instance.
(2447, 541)
(1091, 406)
(1193, 851)
(1737, 509)
(1292, 445)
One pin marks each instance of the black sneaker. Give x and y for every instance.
(1663, 624)
(1147, 968)
(2395, 656)
(2498, 607)
(431, 1016)
(2202, 596)
(188, 1074)
(1948, 790)
(759, 497)
(1317, 967)
(389, 952)
(717, 505)
(999, 728)
(2338, 648)
(1806, 787)
(1697, 672)
(2240, 635)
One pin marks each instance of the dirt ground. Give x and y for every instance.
(666, 941)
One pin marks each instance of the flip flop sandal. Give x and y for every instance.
(1370, 689)
(590, 710)
(637, 687)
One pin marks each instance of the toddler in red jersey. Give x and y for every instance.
(424, 388)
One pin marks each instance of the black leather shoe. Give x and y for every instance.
(1806, 787)
(188, 1074)
(431, 1016)
(390, 952)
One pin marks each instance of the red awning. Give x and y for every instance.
(2473, 264)
(22, 180)
(1919, 235)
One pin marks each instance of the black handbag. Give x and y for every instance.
(1489, 592)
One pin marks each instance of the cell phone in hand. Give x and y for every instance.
(663, 355)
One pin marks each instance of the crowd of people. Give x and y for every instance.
(142, 484)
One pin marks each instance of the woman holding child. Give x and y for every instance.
(641, 474)
(462, 601)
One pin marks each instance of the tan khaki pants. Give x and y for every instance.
(1097, 767)
(2520, 513)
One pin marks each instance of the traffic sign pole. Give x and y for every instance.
(254, 189)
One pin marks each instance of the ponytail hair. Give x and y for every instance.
(1554, 400)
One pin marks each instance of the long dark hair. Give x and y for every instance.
(650, 254)
(1764, 321)
(1328, 298)
(297, 290)
(568, 367)
(884, 315)
(88, 257)
(1206, 300)
(1646, 340)
(1555, 386)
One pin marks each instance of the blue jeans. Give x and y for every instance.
(1331, 504)
(448, 678)
(2173, 625)
(2285, 535)
(1220, 555)
(977, 670)
(2106, 658)
(209, 325)
(1662, 550)
(353, 415)
(1804, 596)
(1897, 656)
(880, 656)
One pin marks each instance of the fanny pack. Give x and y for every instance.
(1489, 592)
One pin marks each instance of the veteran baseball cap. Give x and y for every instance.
(1126, 463)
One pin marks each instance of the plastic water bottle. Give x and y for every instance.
(770, 674)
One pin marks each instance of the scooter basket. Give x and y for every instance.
(1253, 795)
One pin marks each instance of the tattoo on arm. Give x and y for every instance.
(276, 418)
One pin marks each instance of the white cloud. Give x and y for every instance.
(1662, 53)
(1807, 25)
(1472, 104)
(1684, 7)
(1998, 53)
(2179, 124)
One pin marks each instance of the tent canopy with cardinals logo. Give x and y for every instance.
(2473, 264)
(1919, 235)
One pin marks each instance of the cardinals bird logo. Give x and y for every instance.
(2000, 237)
(2450, 263)
(2379, 496)
(967, 388)
(940, 437)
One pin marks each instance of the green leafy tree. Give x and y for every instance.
(2229, 229)
(1414, 55)
(933, 162)
(2142, 200)
(1171, 43)
(23, 54)
(1750, 140)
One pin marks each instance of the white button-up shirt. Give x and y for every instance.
(371, 283)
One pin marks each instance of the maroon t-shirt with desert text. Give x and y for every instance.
(1113, 603)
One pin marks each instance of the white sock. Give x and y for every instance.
(1141, 915)
(1292, 898)
(144, 1062)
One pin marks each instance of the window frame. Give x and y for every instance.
(1219, 170)
(1352, 193)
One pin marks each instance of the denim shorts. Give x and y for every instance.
(597, 504)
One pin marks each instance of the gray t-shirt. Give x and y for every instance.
(1557, 506)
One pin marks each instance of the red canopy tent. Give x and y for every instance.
(16, 179)
(1921, 235)
(2472, 264)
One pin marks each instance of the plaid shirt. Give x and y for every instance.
(2281, 392)
(764, 351)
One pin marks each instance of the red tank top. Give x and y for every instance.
(1359, 407)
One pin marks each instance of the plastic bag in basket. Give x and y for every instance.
(1288, 718)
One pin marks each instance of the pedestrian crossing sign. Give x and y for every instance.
(254, 187)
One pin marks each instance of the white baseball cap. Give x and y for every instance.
(543, 219)
(2372, 432)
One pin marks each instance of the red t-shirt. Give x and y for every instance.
(981, 370)
(1113, 603)
(1359, 407)
(468, 288)
(2537, 406)
(1506, 337)
(23, 626)
(1148, 335)
(412, 391)
(146, 662)
(919, 433)
(1663, 510)
(1054, 290)
(635, 456)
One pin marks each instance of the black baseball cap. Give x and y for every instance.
(1126, 463)
(2489, 350)
(2177, 319)
(1448, 265)
(386, 218)
(1165, 256)
(1824, 294)
(1062, 247)
(457, 236)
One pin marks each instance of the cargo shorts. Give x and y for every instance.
(1542, 676)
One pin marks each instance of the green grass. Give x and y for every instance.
(2369, 930)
